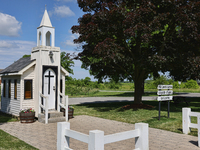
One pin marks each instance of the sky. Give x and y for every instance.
(19, 20)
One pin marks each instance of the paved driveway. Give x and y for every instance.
(43, 136)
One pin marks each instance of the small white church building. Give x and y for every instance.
(28, 79)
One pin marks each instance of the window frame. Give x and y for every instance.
(31, 88)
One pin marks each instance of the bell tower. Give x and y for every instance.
(45, 32)
(47, 58)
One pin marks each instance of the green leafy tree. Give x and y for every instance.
(133, 38)
(66, 62)
(87, 80)
(26, 56)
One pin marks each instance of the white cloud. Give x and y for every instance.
(11, 51)
(6, 44)
(63, 11)
(70, 42)
(9, 26)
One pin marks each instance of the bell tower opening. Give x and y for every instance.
(48, 39)
(40, 39)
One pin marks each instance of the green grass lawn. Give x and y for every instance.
(121, 93)
(8, 141)
(114, 111)
(7, 118)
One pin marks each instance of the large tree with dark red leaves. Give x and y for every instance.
(129, 39)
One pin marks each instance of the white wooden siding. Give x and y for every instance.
(11, 105)
(28, 75)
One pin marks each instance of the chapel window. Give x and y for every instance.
(27, 89)
(4, 88)
(9, 89)
(15, 89)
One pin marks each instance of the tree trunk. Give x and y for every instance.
(139, 85)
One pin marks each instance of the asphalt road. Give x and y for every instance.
(74, 101)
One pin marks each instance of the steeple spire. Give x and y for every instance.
(45, 32)
(45, 20)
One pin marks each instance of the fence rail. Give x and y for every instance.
(96, 139)
(121, 136)
(186, 122)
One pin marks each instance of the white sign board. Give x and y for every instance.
(169, 92)
(165, 98)
(165, 86)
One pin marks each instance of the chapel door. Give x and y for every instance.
(49, 87)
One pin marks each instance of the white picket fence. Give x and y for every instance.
(96, 138)
(186, 121)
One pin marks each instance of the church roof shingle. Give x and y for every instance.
(17, 66)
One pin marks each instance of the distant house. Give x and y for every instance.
(27, 79)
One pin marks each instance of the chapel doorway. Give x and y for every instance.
(49, 87)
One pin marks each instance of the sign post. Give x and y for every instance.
(164, 90)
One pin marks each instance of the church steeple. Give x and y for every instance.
(45, 32)
(45, 20)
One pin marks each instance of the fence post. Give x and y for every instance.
(59, 102)
(46, 109)
(142, 142)
(39, 112)
(66, 107)
(198, 121)
(96, 140)
(186, 120)
(62, 140)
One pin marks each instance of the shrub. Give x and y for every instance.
(112, 85)
(162, 80)
(149, 85)
(191, 84)
(175, 85)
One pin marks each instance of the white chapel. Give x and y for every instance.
(24, 81)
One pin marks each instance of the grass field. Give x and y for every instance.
(120, 93)
(9, 142)
(114, 111)
(7, 118)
